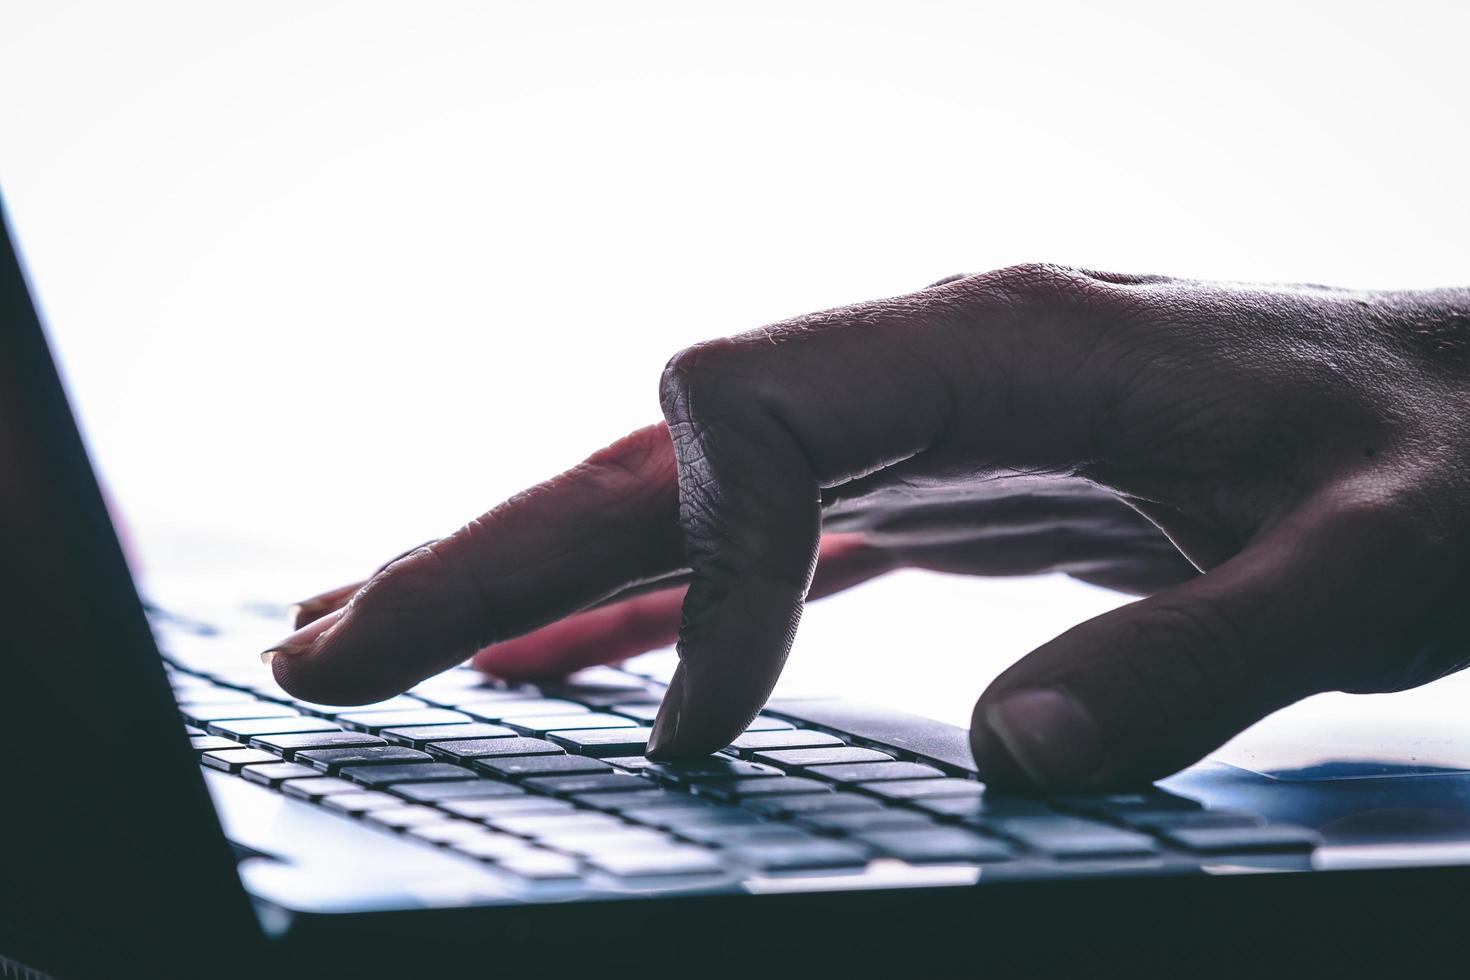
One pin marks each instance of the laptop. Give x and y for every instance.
(169, 811)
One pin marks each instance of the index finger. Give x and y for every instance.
(607, 523)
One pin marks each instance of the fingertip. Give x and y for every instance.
(303, 639)
(1039, 738)
(663, 741)
(309, 610)
(339, 659)
(689, 727)
(997, 769)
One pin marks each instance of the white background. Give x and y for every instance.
(330, 278)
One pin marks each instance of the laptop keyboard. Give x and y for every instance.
(549, 786)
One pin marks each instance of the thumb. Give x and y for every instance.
(1322, 601)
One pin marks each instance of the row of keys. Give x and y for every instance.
(800, 788)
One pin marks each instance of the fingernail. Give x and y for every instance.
(307, 607)
(1050, 736)
(666, 724)
(303, 639)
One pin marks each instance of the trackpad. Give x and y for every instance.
(1345, 736)
(1360, 769)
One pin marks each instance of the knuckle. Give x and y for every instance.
(1036, 277)
(712, 378)
(696, 364)
(1048, 284)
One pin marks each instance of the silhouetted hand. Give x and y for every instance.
(1308, 449)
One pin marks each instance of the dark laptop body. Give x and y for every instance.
(113, 862)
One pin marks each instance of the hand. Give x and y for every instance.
(1017, 528)
(1307, 449)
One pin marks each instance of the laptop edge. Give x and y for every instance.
(121, 860)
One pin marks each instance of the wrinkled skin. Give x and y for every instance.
(1283, 471)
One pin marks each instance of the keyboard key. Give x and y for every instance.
(192, 730)
(422, 736)
(540, 867)
(525, 805)
(601, 782)
(647, 713)
(481, 748)
(400, 703)
(522, 766)
(605, 677)
(212, 743)
(334, 760)
(632, 763)
(373, 721)
(1070, 837)
(609, 689)
(741, 789)
(918, 846)
(273, 774)
(288, 744)
(245, 729)
(453, 680)
(358, 803)
(639, 711)
(814, 855)
(801, 758)
(1151, 800)
(492, 846)
(669, 817)
(520, 707)
(315, 789)
(795, 806)
(199, 697)
(467, 789)
(713, 768)
(604, 742)
(235, 758)
(475, 695)
(946, 745)
(604, 700)
(847, 822)
(1189, 819)
(631, 797)
(541, 825)
(262, 686)
(540, 725)
(867, 772)
(973, 809)
(424, 772)
(452, 832)
(1239, 840)
(404, 817)
(623, 840)
(663, 862)
(918, 789)
(204, 713)
(794, 738)
(726, 835)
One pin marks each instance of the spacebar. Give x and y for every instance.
(947, 746)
